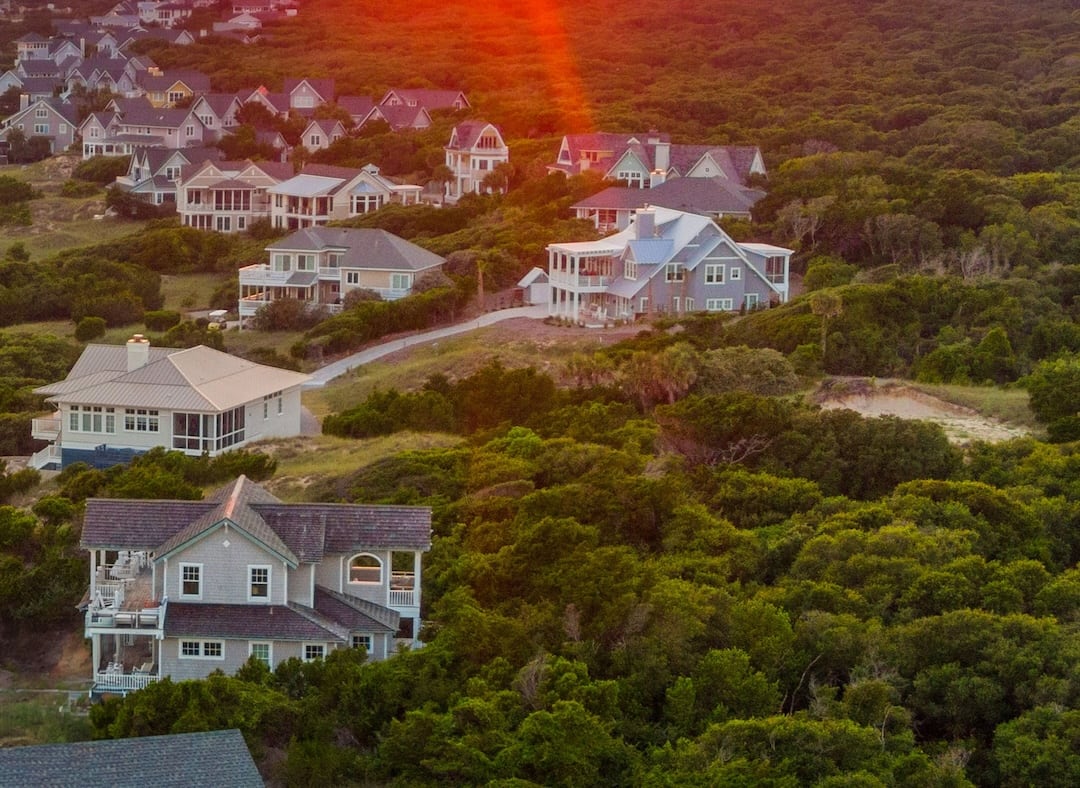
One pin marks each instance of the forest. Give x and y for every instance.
(659, 563)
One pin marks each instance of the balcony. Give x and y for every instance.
(580, 282)
(115, 681)
(402, 590)
(46, 429)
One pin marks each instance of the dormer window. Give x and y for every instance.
(191, 581)
(365, 568)
(258, 583)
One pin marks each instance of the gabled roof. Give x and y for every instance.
(426, 98)
(402, 117)
(358, 107)
(58, 107)
(735, 161)
(326, 125)
(362, 248)
(194, 379)
(157, 117)
(323, 87)
(220, 103)
(298, 532)
(467, 133)
(196, 81)
(355, 614)
(179, 760)
(703, 195)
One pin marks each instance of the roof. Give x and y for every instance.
(467, 133)
(195, 379)
(324, 87)
(195, 80)
(299, 532)
(356, 106)
(355, 614)
(703, 195)
(427, 98)
(179, 760)
(615, 198)
(535, 276)
(404, 117)
(306, 185)
(362, 248)
(247, 622)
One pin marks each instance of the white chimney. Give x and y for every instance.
(644, 223)
(656, 177)
(662, 155)
(138, 352)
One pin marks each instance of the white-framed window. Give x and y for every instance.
(675, 303)
(735, 273)
(362, 641)
(643, 304)
(313, 651)
(191, 581)
(352, 277)
(305, 262)
(365, 568)
(141, 420)
(224, 224)
(282, 262)
(61, 128)
(714, 274)
(202, 649)
(259, 583)
(41, 128)
(689, 305)
(315, 141)
(630, 270)
(92, 418)
(190, 130)
(241, 222)
(750, 300)
(400, 281)
(718, 304)
(264, 652)
(41, 112)
(304, 101)
(674, 272)
(333, 259)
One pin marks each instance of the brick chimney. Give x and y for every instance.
(138, 352)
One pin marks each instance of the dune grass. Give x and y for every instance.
(1006, 404)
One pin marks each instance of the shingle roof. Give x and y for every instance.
(427, 98)
(467, 133)
(324, 87)
(116, 524)
(355, 614)
(349, 527)
(403, 117)
(260, 622)
(357, 106)
(178, 761)
(363, 248)
(703, 195)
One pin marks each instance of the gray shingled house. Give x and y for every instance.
(184, 588)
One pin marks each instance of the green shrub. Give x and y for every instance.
(102, 169)
(76, 189)
(90, 328)
(161, 319)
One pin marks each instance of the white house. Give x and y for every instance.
(227, 196)
(665, 262)
(184, 588)
(475, 149)
(321, 193)
(119, 401)
(320, 265)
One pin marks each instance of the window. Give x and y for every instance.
(333, 259)
(630, 270)
(92, 418)
(362, 641)
(191, 581)
(643, 305)
(305, 262)
(224, 224)
(141, 420)
(259, 583)
(675, 302)
(303, 101)
(718, 304)
(282, 262)
(714, 274)
(674, 272)
(315, 141)
(365, 568)
(400, 281)
(736, 274)
(61, 128)
(241, 222)
(689, 305)
(352, 277)
(41, 128)
(314, 651)
(208, 431)
(202, 649)
(774, 269)
(190, 131)
(751, 300)
(262, 652)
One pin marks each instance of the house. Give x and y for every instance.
(399, 117)
(50, 118)
(227, 196)
(645, 160)
(141, 123)
(277, 104)
(32, 46)
(119, 401)
(184, 588)
(98, 133)
(321, 133)
(153, 171)
(173, 88)
(358, 107)
(321, 265)
(614, 207)
(475, 149)
(203, 758)
(321, 193)
(430, 100)
(665, 262)
(218, 112)
(306, 94)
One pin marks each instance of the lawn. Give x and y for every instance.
(39, 718)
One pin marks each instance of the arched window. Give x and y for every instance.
(365, 568)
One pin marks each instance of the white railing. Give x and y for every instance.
(261, 273)
(46, 429)
(402, 598)
(122, 682)
(577, 280)
(108, 593)
(47, 456)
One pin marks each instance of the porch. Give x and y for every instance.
(124, 663)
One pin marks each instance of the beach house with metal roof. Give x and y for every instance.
(119, 401)
(320, 265)
(321, 193)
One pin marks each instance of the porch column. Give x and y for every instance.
(95, 654)
(93, 574)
